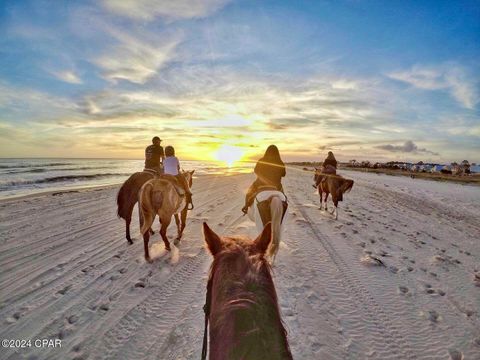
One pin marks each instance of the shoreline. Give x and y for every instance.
(86, 188)
(57, 192)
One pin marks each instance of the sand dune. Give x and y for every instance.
(68, 273)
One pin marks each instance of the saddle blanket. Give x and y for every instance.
(263, 205)
(264, 195)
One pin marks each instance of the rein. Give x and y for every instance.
(206, 310)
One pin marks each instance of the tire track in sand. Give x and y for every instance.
(385, 335)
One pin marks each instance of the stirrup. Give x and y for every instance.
(190, 206)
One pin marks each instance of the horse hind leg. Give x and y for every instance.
(335, 207)
(183, 221)
(179, 233)
(127, 230)
(163, 232)
(146, 221)
(128, 221)
(146, 238)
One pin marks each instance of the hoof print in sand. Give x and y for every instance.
(72, 319)
(371, 261)
(393, 269)
(64, 290)
(140, 284)
(433, 316)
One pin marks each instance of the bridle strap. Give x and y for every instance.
(206, 310)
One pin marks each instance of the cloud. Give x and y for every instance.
(134, 58)
(408, 147)
(148, 10)
(18, 103)
(452, 78)
(67, 76)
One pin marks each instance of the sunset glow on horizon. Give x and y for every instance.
(221, 80)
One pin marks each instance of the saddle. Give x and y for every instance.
(264, 205)
(325, 171)
(329, 170)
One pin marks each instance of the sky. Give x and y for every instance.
(368, 80)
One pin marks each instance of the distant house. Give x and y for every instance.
(475, 169)
(437, 168)
(427, 167)
(447, 169)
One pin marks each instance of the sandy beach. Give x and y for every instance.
(68, 272)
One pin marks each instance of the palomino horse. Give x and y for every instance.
(241, 304)
(274, 207)
(160, 197)
(335, 185)
(127, 197)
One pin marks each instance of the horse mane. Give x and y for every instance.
(252, 301)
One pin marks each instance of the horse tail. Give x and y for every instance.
(123, 199)
(146, 207)
(127, 196)
(276, 212)
(344, 188)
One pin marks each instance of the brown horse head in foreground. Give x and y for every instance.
(127, 197)
(335, 185)
(242, 304)
(160, 197)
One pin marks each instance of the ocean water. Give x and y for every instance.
(20, 177)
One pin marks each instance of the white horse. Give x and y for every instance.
(277, 198)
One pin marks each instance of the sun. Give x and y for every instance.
(229, 154)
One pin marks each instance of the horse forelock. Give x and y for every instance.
(240, 256)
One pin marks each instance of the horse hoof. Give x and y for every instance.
(130, 242)
(148, 259)
(168, 248)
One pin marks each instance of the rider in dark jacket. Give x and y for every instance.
(269, 170)
(154, 155)
(330, 161)
(329, 167)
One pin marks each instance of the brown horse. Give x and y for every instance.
(335, 185)
(242, 305)
(127, 197)
(161, 197)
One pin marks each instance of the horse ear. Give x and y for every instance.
(191, 172)
(213, 241)
(263, 240)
